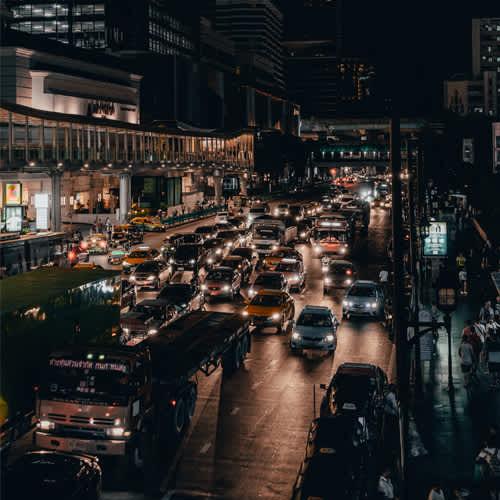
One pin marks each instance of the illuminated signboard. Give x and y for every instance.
(13, 194)
(83, 364)
(436, 244)
(13, 219)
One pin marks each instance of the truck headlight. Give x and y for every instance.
(132, 278)
(203, 287)
(218, 251)
(151, 278)
(276, 316)
(226, 288)
(295, 336)
(117, 432)
(46, 425)
(329, 338)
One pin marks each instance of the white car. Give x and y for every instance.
(222, 217)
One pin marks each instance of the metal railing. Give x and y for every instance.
(192, 216)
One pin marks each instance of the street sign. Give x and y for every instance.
(436, 244)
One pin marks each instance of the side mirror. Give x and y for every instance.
(323, 386)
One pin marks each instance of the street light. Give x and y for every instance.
(447, 302)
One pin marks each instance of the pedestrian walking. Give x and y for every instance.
(466, 353)
(462, 279)
(460, 260)
(385, 488)
(485, 312)
(477, 346)
(480, 330)
(436, 493)
(484, 258)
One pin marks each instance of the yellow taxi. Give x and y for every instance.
(276, 256)
(270, 309)
(87, 265)
(138, 255)
(96, 244)
(148, 224)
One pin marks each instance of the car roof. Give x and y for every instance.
(366, 283)
(232, 257)
(270, 274)
(265, 291)
(357, 369)
(315, 309)
(341, 263)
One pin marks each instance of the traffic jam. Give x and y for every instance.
(192, 301)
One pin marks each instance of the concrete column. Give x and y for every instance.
(56, 202)
(11, 137)
(243, 185)
(218, 186)
(125, 196)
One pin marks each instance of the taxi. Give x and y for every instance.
(270, 309)
(294, 272)
(117, 256)
(275, 257)
(138, 255)
(86, 265)
(96, 244)
(148, 224)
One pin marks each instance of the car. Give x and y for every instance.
(231, 238)
(297, 212)
(269, 280)
(356, 389)
(127, 232)
(222, 216)
(151, 274)
(222, 282)
(186, 297)
(364, 298)
(223, 226)
(304, 231)
(315, 329)
(146, 318)
(189, 256)
(294, 272)
(272, 260)
(170, 243)
(87, 265)
(270, 308)
(240, 264)
(207, 231)
(96, 244)
(282, 210)
(192, 238)
(238, 221)
(215, 250)
(116, 256)
(248, 253)
(118, 238)
(51, 474)
(255, 212)
(148, 224)
(338, 274)
(138, 255)
(334, 466)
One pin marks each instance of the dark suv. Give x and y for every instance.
(187, 257)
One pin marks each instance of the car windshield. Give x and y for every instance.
(314, 319)
(215, 243)
(340, 268)
(147, 267)
(283, 206)
(190, 238)
(327, 234)
(218, 275)
(266, 300)
(92, 378)
(227, 234)
(204, 230)
(362, 291)
(285, 267)
(186, 251)
(117, 253)
(233, 264)
(180, 291)
(267, 233)
(139, 254)
(272, 282)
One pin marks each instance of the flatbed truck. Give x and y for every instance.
(118, 400)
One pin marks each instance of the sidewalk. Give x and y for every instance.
(453, 424)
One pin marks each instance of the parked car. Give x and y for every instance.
(364, 298)
(270, 308)
(269, 280)
(248, 253)
(294, 272)
(53, 474)
(315, 329)
(222, 282)
(239, 264)
(338, 274)
(151, 274)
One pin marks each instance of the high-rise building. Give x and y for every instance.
(256, 29)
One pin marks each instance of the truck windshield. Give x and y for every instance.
(326, 234)
(104, 380)
(267, 233)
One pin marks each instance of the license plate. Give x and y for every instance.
(76, 445)
(358, 310)
(180, 268)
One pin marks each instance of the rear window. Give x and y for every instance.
(218, 275)
(139, 254)
(314, 319)
(268, 282)
(147, 267)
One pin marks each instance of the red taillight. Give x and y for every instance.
(173, 402)
(239, 266)
(348, 272)
(71, 256)
(35, 388)
(407, 236)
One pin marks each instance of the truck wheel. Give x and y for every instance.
(179, 417)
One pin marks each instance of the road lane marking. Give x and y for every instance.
(205, 448)
(235, 411)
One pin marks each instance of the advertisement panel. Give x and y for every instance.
(13, 194)
(13, 219)
(436, 244)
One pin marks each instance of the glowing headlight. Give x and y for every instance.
(132, 278)
(116, 432)
(203, 287)
(251, 291)
(210, 261)
(294, 277)
(373, 305)
(276, 316)
(229, 243)
(286, 212)
(245, 313)
(317, 249)
(218, 251)
(295, 336)
(329, 338)
(125, 330)
(171, 261)
(153, 331)
(297, 217)
(348, 303)
(275, 247)
(151, 278)
(342, 249)
(226, 288)
(253, 245)
(348, 281)
(327, 280)
(324, 269)
(276, 212)
(192, 261)
(303, 234)
(46, 425)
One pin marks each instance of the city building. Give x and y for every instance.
(45, 75)
(256, 29)
(356, 86)
(463, 96)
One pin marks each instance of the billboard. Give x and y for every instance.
(436, 244)
(13, 219)
(13, 194)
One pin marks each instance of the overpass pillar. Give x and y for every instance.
(243, 185)
(56, 202)
(125, 197)
(218, 186)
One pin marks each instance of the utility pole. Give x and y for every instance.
(397, 312)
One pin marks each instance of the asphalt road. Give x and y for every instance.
(247, 437)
